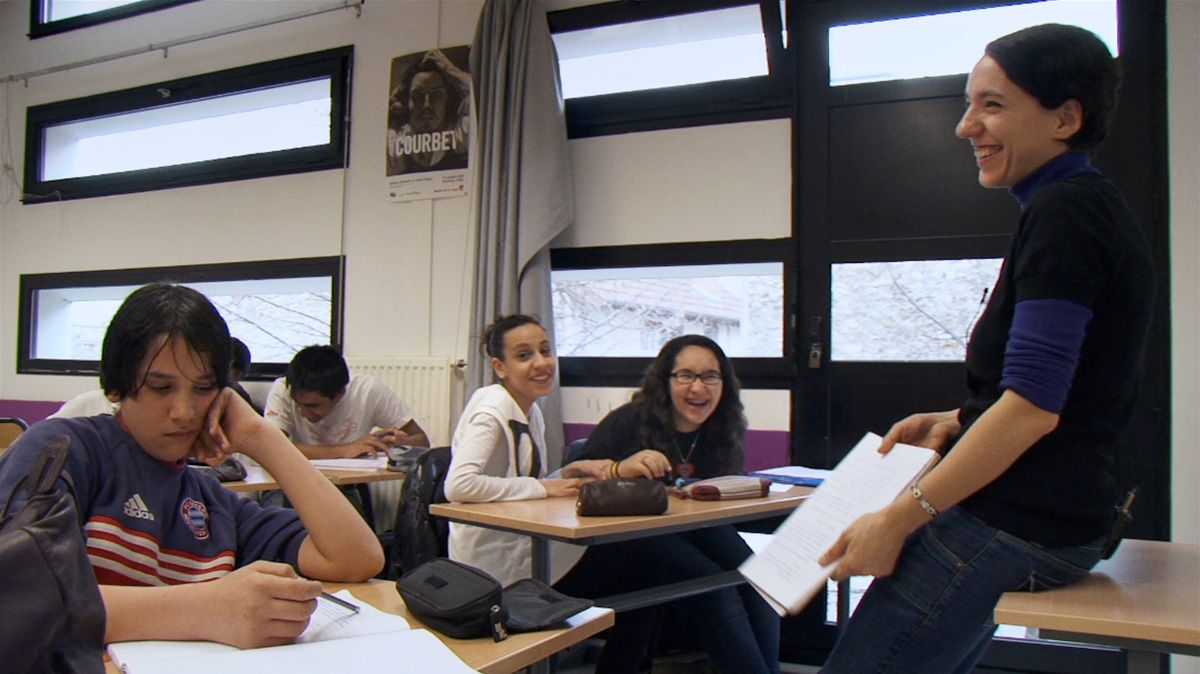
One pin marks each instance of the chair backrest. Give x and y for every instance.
(574, 450)
(10, 429)
(418, 536)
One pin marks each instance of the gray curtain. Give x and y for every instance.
(521, 178)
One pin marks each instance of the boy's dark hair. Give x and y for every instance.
(240, 358)
(149, 312)
(725, 429)
(1055, 63)
(319, 368)
(493, 335)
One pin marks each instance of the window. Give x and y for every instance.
(271, 118)
(632, 311)
(276, 307)
(614, 307)
(49, 17)
(638, 66)
(895, 49)
(917, 310)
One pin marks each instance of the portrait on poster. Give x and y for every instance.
(429, 118)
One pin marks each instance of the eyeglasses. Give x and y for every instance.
(687, 377)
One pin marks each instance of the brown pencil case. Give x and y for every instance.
(620, 496)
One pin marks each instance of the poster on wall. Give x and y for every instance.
(429, 116)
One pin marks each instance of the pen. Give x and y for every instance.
(340, 602)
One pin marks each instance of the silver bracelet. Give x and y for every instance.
(925, 505)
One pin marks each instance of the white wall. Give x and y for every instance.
(1183, 86)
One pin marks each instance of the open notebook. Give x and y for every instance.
(786, 571)
(336, 640)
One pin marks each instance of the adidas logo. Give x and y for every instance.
(136, 507)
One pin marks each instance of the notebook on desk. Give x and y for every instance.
(335, 640)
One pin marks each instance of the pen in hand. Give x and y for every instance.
(340, 602)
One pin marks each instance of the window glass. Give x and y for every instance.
(898, 48)
(57, 10)
(274, 317)
(265, 119)
(631, 312)
(917, 310)
(268, 120)
(276, 307)
(709, 46)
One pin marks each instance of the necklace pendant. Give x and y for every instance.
(686, 469)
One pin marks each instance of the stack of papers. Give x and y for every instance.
(786, 571)
(336, 640)
(350, 464)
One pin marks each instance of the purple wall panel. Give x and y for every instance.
(32, 411)
(764, 449)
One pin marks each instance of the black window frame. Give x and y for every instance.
(748, 99)
(758, 373)
(31, 284)
(333, 63)
(39, 27)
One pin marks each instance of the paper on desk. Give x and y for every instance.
(406, 652)
(351, 464)
(786, 572)
(329, 621)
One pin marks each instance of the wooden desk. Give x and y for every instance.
(516, 652)
(1145, 600)
(555, 519)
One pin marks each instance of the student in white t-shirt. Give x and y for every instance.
(329, 414)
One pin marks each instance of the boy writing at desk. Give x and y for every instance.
(156, 530)
(329, 414)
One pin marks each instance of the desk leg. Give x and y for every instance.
(541, 571)
(843, 605)
(541, 559)
(1143, 662)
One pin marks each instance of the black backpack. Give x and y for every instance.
(419, 537)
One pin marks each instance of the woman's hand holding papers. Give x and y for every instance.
(932, 430)
(871, 545)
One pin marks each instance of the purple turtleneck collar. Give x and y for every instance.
(1061, 167)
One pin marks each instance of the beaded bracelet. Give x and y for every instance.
(925, 505)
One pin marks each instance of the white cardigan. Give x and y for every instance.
(481, 470)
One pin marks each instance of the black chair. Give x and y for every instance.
(417, 536)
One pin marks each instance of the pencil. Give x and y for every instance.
(340, 602)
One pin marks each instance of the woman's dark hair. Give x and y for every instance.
(493, 335)
(1055, 63)
(319, 368)
(150, 312)
(724, 431)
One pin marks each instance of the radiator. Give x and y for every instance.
(425, 385)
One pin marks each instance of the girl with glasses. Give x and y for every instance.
(685, 421)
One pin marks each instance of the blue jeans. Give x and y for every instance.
(734, 626)
(934, 613)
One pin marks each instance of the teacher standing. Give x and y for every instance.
(1023, 497)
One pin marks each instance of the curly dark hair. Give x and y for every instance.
(398, 99)
(724, 431)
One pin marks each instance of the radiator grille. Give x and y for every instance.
(424, 384)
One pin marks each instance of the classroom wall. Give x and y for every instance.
(406, 262)
(1183, 100)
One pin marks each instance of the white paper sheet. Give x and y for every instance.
(786, 571)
